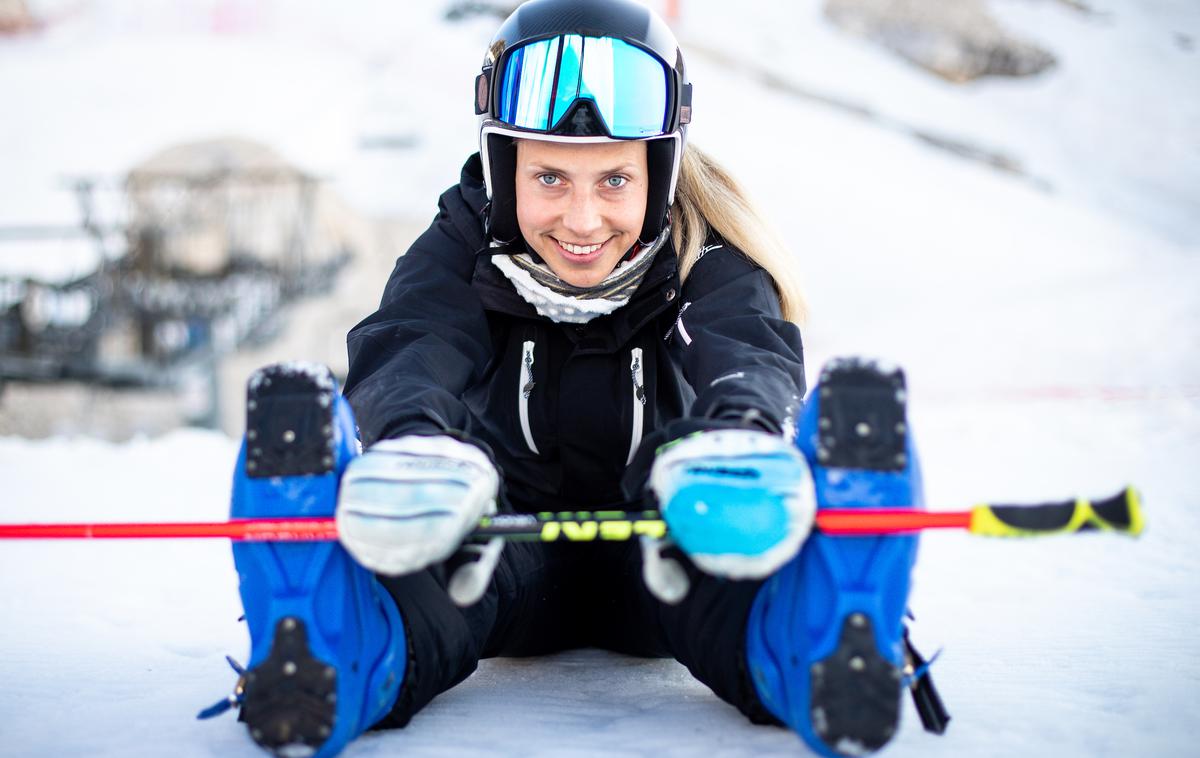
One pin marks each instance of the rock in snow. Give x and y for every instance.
(958, 40)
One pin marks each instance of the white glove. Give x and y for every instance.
(409, 503)
(739, 502)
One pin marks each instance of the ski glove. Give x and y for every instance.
(738, 502)
(409, 503)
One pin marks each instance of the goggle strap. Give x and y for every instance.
(483, 90)
(685, 104)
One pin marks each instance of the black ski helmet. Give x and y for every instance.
(582, 71)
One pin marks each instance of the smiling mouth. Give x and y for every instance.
(579, 249)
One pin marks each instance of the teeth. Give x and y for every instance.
(580, 249)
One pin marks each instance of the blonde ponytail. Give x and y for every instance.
(708, 197)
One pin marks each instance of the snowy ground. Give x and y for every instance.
(1050, 338)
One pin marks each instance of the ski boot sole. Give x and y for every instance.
(862, 422)
(827, 653)
(290, 699)
(855, 692)
(328, 646)
(289, 423)
(862, 425)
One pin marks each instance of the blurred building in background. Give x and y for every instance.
(206, 247)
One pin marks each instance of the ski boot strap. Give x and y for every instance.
(924, 694)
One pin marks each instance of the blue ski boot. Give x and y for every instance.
(824, 640)
(327, 644)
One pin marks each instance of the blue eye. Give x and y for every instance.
(616, 181)
(548, 180)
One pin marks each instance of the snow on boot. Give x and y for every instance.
(327, 645)
(824, 641)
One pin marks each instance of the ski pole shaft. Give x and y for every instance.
(1120, 513)
(252, 530)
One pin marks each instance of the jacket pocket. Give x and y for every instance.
(524, 390)
(638, 375)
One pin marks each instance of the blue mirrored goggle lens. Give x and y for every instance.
(542, 80)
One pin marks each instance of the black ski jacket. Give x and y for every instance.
(572, 414)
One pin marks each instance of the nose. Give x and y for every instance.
(582, 217)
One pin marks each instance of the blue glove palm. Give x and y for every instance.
(738, 502)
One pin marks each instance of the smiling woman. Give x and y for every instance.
(597, 317)
(581, 207)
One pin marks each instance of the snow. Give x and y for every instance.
(1110, 126)
(314, 372)
(1050, 339)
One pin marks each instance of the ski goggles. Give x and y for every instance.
(632, 91)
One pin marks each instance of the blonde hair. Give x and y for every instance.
(708, 197)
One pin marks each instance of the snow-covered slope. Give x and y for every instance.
(1050, 339)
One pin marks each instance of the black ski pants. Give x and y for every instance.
(548, 597)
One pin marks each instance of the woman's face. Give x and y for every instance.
(581, 206)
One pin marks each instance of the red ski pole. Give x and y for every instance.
(1120, 513)
(259, 530)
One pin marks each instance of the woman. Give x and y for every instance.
(596, 316)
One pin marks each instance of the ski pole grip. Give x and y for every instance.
(1121, 513)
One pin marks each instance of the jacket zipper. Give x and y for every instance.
(639, 401)
(524, 390)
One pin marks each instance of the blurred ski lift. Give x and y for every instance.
(197, 250)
